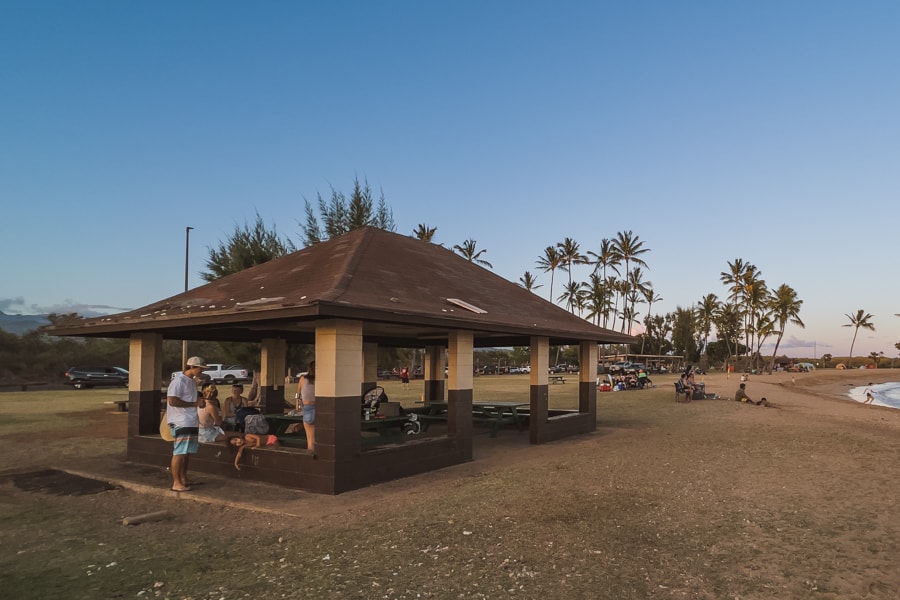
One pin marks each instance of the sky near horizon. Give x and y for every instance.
(764, 131)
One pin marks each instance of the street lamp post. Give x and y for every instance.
(187, 245)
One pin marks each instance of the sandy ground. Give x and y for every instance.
(710, 499)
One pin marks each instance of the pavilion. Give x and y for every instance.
(349, 296)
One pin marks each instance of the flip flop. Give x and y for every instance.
(184, 489)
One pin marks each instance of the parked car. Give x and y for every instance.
(88, 377)
(619, 367)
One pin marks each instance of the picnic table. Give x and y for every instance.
(557, 379)
(491, 414)
(388, 428)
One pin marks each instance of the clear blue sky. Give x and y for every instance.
(766, 131)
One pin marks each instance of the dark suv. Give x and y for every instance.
(88, 377)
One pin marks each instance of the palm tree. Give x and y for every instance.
(599, 299)
(785, 308)
(574, 296)
(629, 248)
(549, 263)
(742, 279)
(765, 326)
(467, 250)
(528, 281)
(733, 278)
(727, 320)
(637, 288)
(860, 319)
(571, 255)
(424, 232)
(757, 299)
(620, 287)
(650, 297)
(607, 257)
(706, 310)
(629, 313)
(875, 356)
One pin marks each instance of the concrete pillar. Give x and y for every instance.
(587, 378)
(540, 370)
(144, 381)
(273, 366)
(434, 373)
(339, 368)
(369, 375)
(461, 361)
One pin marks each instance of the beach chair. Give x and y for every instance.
(680, 392)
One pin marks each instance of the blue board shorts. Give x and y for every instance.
(186, 441)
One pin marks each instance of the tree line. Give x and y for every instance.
(616, 295)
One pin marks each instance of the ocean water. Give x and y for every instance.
(886, 394)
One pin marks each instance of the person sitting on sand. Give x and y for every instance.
(741, 396)
(249, 440)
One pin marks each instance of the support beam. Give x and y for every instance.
(540, 370)
(273, 366)
(434, 373)
(339, 368)
(587, 382)
(144, 381)
(369, 375)
(461, 360)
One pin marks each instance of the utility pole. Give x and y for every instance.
(187, 246)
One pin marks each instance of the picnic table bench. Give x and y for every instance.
(557, 379)
(23, 386)
(389, 429)
(491, 414)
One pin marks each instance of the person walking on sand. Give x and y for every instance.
(306, 403)
(184, 421)
(404, 377)
(870, 394)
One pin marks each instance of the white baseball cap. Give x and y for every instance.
(196, 361)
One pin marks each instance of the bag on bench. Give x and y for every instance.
(256, 424)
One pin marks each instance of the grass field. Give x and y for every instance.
(708, 500)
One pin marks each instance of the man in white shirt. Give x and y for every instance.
(181, 415)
